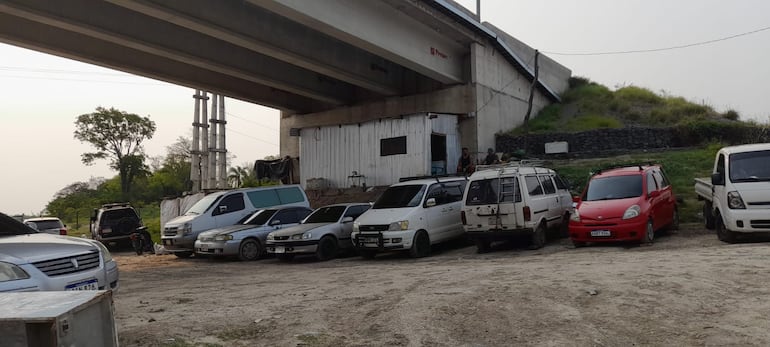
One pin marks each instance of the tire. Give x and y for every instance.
(367, 254)
(675, 220)
(708, 217)
(649, 233)
(723, 234)
(250, 250)
(327, 248)
(482, 246)
(183, 255)
(420, 245)
(538, 237)
(564, 226)
(285, 257)
(138, 244)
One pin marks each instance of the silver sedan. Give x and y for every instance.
(34, 261)
(246, 240)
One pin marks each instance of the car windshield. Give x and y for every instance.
(202, 205)
(492, 191)
(329, 214)
(259, 218)
(10, 227)
(750, 166)
(400, 196)
(615, 187)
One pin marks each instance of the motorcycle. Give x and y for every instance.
(141, 241)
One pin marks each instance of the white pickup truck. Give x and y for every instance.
(737, 195)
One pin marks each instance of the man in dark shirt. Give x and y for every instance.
(491, 157)
(465, 165)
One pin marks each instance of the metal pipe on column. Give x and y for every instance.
(222, 161)
(212, 159)
(205, 144)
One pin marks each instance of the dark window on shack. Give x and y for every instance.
(393, 146)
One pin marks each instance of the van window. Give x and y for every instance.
(264, 198)
(229, 204)
(290, 195)
(560, 183)
(485, 192)
(533, 185)
(454, 191)
(548, 186)
(400, 196)
(202, 205)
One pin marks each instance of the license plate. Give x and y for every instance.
(203, 249)
(91, 284)
(280, 249)
(601, 233)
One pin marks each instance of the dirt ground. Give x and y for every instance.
(686, 289)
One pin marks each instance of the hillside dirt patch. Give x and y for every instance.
(686, 289)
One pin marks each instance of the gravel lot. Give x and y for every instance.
(686, 289)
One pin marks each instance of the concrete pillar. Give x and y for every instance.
(195, 152)
(212, 159)
(222, 147)
(289, 145)
(205, 143)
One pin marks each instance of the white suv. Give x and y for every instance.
(411, 215)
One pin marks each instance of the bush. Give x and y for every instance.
(731, 115)
(588, 122)
(638, 95)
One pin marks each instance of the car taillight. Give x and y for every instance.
(62, 231)
(527, 214)
(462, 215)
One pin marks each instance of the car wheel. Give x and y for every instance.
(183, 254)
(327, 248)
(367, 254)
(708, 217)
(420, 245)
(649, 233)
(675, 221)
(564, 226)
(482, 246)
(538, 237)
(250, 249)
(723, 234)
(285, 257)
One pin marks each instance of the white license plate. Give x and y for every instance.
(280, 249)
(601, 233)
(91, 284)
(204, 249)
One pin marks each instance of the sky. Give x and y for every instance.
(42, 95)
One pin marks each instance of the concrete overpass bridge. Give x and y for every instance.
(322, 63)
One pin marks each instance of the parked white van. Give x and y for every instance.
(225, 208)
(411, 215)
(501, 201)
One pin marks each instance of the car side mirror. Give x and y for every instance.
(717, 179)
(222, 209)
(653, 194)
(347, 219)
(430, 202)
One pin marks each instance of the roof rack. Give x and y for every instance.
(436, 177)
(511, 164)
(116, 204)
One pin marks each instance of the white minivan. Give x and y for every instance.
(505, 200)
(225, 208)
(411, 215)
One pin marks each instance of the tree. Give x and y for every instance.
(117, 136)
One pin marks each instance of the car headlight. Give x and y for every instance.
(632, 212)
(356, 227)
(186, 228)
(734, 201)
(306, 236)
(227, 237)
(575, 217)
(270, 236)
(11, 272)
(398, 226)
(106, 256)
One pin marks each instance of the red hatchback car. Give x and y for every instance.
(624, 204)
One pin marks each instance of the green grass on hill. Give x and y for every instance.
(681, 167)
(588, 105)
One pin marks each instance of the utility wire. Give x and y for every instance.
(251, 137)
(701, 43)
(250, 121)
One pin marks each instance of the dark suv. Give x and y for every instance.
(114, 222)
